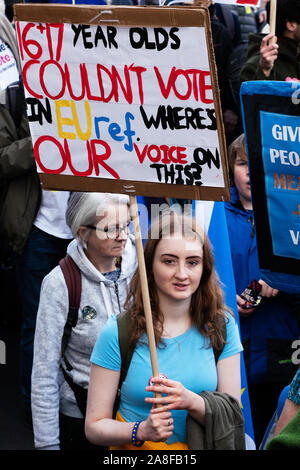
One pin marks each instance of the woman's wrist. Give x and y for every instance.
(196, 407)
(141, 431)
(191, 401)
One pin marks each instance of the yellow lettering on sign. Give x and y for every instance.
(63, 121)
(72, 121)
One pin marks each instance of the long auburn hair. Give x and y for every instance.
(207, 308)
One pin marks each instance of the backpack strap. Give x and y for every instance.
(126, 351)
(72, 276)
(218, 352)
(80, 393)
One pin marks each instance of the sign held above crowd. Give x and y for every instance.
(271, 113)
(124, 100)
(123, 95)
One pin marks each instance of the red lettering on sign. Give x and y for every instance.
(60, 27)
(141, 156)
(75, 172)
(98, 151)
(26, 67)
(162, 153)
(31, 42)
(62, 76)
(196, 85)
(99, 159)
(60, 148)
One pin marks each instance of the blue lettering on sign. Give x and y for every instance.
(115, 130)
(281, 161)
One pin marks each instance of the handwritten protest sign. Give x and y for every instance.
(130, 98)
(271, 120)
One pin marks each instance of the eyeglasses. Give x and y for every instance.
(113, 231)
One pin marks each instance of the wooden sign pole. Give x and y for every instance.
(144, 285)
(273, 18)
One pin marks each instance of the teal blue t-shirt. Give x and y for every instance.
(186, 358)
(294, 391)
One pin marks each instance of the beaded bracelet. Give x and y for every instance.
(133, 435)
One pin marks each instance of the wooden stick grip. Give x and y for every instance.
(144, 285)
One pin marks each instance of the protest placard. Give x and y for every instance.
(124, 100)
(271, 113)
(123, 95)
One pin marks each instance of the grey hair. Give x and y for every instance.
(83, 208)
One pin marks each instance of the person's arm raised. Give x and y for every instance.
(268, 54)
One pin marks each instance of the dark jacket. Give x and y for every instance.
(268, 333)
(247, 20)
(286, 65)
(19, 184)
(20, 189)
(224, 425)
(222, 49)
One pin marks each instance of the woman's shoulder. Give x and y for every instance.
(54, 293)
(111, 326)
(230, 320)
(233, 343)
(106, 352)
(54, 279)
(109, 333)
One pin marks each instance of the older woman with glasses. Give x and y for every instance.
(103, 250)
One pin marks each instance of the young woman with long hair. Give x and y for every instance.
(189, 314)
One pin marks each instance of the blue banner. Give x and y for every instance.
(280, 138)
(270, 112)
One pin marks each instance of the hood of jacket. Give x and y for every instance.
(128, 264)
(234, 205)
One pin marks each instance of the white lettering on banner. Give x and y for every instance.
(286, 157)
(286, 133)
(295, 236)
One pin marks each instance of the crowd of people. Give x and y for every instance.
(86, 379)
